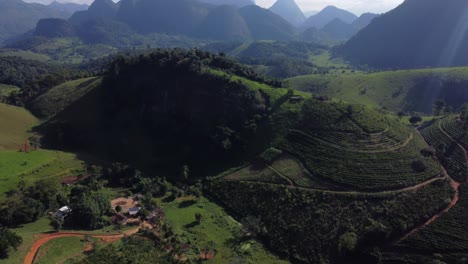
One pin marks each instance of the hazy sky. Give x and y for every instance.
(356, 6)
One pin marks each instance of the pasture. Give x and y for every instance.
(15, 122)
(35, 165)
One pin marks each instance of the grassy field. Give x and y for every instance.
(33, 166)
(15, 124)
(411, 90)
(24, 54)
(28, 232)
(61, 249)
(217, 230)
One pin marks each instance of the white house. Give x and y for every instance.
(63, 212)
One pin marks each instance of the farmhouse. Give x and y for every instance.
(63, 212)
(134, 211)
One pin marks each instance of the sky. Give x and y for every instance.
(356, 6)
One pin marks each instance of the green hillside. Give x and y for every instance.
(58, 98)
(407, 90)
(15, 124)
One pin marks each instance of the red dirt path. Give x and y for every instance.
(43, 239)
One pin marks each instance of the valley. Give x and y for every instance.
(219, 131)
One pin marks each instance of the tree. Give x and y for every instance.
(439, 106)
(35, 142)
(56, 223)
(8, 241)
(185, 173)
(347, 243)
(270, 154)
(198, 218)
(415, 119)
(89, 210)
(118, 209)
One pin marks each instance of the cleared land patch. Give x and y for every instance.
(284, 170)
(15, 122)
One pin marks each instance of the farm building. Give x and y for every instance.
(134, 211)
(63, 212)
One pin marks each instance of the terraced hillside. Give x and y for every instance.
(445, 238)
(336, 154)
(403, 90)
(356, 148)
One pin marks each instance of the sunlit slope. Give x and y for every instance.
(407, 90)
(59, 97)
(14, 124)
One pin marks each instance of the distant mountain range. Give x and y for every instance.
(18, 17)
(128, 21)
(201, 20)
(327, 15)
(417, 34)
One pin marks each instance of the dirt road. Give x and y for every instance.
(43, 239)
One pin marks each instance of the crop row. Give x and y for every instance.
(363, 171)
(449, 152)
(447, 233)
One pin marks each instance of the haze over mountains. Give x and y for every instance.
(208, 19)
(418, 33)
(17, 17)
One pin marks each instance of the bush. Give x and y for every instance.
(270, 154)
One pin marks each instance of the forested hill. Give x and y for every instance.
(179, 102)
(417, 34)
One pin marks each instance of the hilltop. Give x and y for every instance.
(327, 15)
(289, 10)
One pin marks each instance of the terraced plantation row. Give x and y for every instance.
(451, 155)
(448, 234)
(455, 128)
(364, 142)
(373, 171)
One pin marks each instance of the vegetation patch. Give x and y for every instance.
(322, 221)
(206, 227)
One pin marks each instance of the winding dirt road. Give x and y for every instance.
(43, 239)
